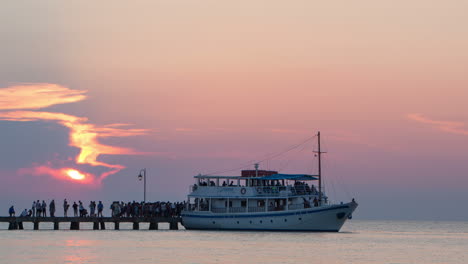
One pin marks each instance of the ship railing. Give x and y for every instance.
(237, 209)
(219, 210)
(284, 190)
(204, 207)
(256, 209)
(296, 206)
(276, 208)
(300, 190)
(270, 190)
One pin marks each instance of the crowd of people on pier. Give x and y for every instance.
(156, 209)
(118, 209)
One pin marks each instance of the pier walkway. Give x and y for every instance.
(99, 223)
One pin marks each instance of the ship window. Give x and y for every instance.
(285, 220)
(214, 222)
(250, 221)
(243, 203)
(261, 221)
(300, 218)
(271, 221)
(238, 222)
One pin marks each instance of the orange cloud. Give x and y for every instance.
(36, 96)
(68, 174)
(83, 135)
(446, 126)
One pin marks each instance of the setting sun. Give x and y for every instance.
(75, 175)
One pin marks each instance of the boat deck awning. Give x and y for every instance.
(296, 177)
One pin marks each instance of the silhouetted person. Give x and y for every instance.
(52, 208)
(80, 208)
(44, 208)
(11, 211)
(33, 209)
(100, 207)
(75, 209)
(38, 209)
(24, 213)
(65, 207)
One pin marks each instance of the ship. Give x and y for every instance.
(264, 200)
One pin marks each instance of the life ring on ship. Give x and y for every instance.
(243, 190)
(259, 190)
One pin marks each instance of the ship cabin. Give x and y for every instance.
(254, 191)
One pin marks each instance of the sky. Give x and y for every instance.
(101, 90)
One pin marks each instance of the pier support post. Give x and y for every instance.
(75, 226)
(56, 225)
(136, 226)
(20, 226)
(95, 225)
(116, 225)
(36, 225)
(173, 225)
(103, 225)
(13, 225)
(153, 226)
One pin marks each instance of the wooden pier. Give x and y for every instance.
(99, 223)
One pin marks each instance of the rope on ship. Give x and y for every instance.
(267, 158)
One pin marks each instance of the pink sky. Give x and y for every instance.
(220, 84)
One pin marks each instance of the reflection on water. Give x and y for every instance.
(73, 259)
(360, 242)
(80, 251)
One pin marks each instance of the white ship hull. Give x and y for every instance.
(320, 219)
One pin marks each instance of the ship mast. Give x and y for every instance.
(319, 152)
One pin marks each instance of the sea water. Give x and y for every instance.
(358, 242)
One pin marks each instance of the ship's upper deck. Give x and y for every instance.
(274, 185)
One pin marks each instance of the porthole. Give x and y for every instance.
(261, 221)
(237, 222)
(271, 221)
(214, 222)
(300, 218)
(250, 221)
(285, 220)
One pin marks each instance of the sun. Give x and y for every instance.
(75, 175)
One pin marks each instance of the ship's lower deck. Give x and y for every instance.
(328, 218)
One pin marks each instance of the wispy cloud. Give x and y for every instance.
(36, 96)
(453, 127)
(83, 135)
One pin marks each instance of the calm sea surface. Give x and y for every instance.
(358, 242)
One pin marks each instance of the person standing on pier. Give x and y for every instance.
(100, 207)
(11, 211)
(75, 209)
(38, 209)
(81, 208)
(44, 208)
(92, 208)
(52, 208)
(33, 209)
(65, 207)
